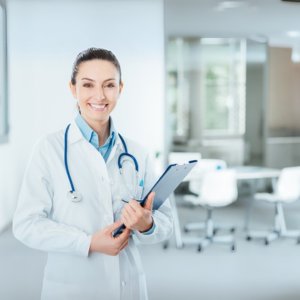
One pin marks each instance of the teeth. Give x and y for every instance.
(98, 106)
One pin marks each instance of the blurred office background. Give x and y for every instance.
(203, 78)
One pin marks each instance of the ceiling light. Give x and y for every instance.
(230, 4)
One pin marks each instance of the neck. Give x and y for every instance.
(102, 128)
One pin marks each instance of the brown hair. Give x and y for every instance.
(94, 53)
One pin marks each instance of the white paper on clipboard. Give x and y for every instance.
(168, 182)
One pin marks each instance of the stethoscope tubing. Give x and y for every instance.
(74, 196)
(66, 159)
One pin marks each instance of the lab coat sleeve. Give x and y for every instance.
(162, 218)
(31, 223)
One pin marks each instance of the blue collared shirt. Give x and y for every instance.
(92, 137)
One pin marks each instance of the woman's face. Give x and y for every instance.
(97, 89)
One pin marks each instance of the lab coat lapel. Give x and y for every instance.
(95, 163)
(111, 264)
(116, 149)
(92, 154)
(75, 134)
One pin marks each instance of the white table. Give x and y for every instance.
(253, 172)
(242, 173)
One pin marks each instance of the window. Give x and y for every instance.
(223, 86)
(178, 87)
(206, 87)
(3, 76)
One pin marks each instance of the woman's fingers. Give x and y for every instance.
(149, 201)
(124, 245)
(114, 226)
(124, 236)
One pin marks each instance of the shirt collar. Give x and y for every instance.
(85, 129)
(90, 135)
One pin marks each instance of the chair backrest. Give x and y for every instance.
(201, 169)
(208, 164)
(184, 157)
(288, 186)
(218, 188)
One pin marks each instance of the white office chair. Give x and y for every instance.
(206, 165)
(179, 158)
(198, 173)
(218, 189)
(184, 157)
(287, 191)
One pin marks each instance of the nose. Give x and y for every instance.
(100, 93)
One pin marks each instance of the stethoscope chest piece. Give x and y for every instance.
(74, 196)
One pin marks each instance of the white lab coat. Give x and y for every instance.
(46, 219)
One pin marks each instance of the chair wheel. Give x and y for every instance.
(267, 242)
(248, 238)
(166, 245)
(199, 248)
(232, 230)
(298, 240)
(215, 231)
(233, 248)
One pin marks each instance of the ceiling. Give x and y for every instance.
(257, 19)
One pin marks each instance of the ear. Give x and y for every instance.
(121, 85)
(73, 89)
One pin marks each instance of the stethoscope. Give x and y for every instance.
(74, 195)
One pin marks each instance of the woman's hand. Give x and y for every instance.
(136, 217)
(104, 242)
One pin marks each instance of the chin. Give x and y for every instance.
(97, 118)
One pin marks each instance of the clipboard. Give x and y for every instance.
(165, 185)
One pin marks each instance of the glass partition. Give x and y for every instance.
(206, 87)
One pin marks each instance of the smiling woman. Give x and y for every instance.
(72, 196)
(97, 94)
(3, 76)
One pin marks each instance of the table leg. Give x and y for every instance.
(249, 205)
(176, 224)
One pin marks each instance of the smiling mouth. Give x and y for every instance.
(98, 107)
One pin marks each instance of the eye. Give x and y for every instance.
(87, 85)
(110, 85)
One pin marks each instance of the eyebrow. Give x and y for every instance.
(89, 79)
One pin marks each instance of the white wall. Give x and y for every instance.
(43, 40)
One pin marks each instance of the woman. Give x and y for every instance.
(74, 196)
